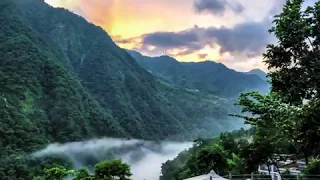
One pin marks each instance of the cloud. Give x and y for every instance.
(217, 7)
(186, 38)
(248, 38)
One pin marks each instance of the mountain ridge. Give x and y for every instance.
(206, 75)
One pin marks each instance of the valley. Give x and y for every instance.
(64, 80)
(144, 157)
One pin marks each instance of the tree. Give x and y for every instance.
(110, 169)
(57, 173)
(105, 170)
(228, 142)
(313, 168)
(308, 128)
(251, 157)
(214, 154)
(211, 158)
(294, 61)
(275, 128)
(82, 174)
(294, 65)
(236, 165)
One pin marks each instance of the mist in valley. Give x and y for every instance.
(145, 157)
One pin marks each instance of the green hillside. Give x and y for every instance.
(110, 75)
(41, 101)
(208, 76)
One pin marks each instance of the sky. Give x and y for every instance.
(233, 32)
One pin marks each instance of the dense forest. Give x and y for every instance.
(284, 121)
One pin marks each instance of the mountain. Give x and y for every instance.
(40, 100)
(63, 79)
(112, 77)
(206, 76)
(39, 94)
(259, 73)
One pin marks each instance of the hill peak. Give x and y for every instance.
(261, 74)
(257, 70)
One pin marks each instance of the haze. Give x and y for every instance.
(144, 157)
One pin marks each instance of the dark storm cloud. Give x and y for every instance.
(217, 7)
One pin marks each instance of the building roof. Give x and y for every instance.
(207, 177)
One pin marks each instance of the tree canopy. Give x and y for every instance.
(105, 170)
(289, 114)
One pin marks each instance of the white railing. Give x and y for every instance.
(271, 177)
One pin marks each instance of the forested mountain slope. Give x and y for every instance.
(113, 78)
(40, 101)
(206, 76)
(37, 91)
(146, 107)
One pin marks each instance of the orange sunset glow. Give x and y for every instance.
(130, 19)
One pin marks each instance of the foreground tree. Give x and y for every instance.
(274, 124)
(282, 121)
(105, 170)
(294, 62)
(211, 158)
(294, 65)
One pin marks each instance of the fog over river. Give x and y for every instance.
(145, 157)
